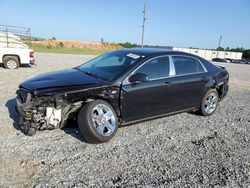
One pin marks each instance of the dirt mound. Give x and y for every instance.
(80, 44)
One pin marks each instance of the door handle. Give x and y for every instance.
(204, 78)
(168, 84)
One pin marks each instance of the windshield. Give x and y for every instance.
(110, 66)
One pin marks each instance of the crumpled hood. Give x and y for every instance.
(63, 78)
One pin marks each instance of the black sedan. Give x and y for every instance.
(241, 61)
(119, 88)
(220, 60)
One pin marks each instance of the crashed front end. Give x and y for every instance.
(42, 112)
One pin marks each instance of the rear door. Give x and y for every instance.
(190, 81)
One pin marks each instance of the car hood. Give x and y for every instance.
(61, 79)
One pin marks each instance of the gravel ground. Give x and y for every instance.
(183, 150)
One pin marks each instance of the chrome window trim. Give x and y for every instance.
(205, 70)
(172, 72)
(171, 67)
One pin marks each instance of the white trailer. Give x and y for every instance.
(210, 54)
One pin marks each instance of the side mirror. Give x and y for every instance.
(138, 77)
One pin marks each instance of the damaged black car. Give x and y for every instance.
(121, 87)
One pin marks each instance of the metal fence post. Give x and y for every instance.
(7, 39)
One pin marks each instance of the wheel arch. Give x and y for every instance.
(12, 55)
(219, 90)
(114, 104)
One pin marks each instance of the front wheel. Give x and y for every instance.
(97, 121)
(209, 103)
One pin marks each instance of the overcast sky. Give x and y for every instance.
(181, 23)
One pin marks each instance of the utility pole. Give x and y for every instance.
(219, 46)
(143, 25)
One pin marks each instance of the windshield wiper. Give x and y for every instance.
(91, 74)
(77, 68)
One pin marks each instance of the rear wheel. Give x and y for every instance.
(11, 62)
(97, 122)
(209, 103)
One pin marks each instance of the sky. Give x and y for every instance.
(180, 23)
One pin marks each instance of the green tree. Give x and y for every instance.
(246, 54)
(237, 49)
(220, 48)
(128, 45)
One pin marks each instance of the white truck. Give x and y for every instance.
(13, 52)
(12, 58)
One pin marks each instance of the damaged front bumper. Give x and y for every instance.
(40, 113)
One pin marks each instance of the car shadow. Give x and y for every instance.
(21, 66)
(72, 129)
(26, 66)
(13, 114)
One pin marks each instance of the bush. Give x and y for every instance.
(60, 44)
(128, 45)
(49, 46)
(246, 54)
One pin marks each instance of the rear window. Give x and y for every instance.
(186, 65)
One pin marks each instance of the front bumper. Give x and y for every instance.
(42, 113)
(32, 61)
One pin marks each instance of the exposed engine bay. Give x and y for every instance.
(40, 113)
(51, 108)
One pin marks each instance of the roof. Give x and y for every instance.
(155, 51)
(145, 51)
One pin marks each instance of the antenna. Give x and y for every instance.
(143, 26)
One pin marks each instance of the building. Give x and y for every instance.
(206, 54)
(210, 54)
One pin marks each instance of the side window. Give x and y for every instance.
(186, 65)
(199, 67)
(156, 68)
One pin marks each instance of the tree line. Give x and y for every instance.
(231, 49)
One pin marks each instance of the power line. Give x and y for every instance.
(143, 26)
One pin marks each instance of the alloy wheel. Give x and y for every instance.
(103, 119)
(211, 102)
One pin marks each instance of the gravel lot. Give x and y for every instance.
(183, 150)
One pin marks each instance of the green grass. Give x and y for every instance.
(65, 50)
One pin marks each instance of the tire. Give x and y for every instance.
(11, 62)
(94, 127)
(209, 103)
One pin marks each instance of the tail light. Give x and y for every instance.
(31, 54)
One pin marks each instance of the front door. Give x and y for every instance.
(150, 98)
